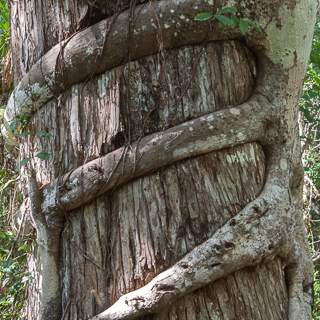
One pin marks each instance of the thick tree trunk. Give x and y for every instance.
(109, 220)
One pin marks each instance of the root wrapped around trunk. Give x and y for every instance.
(267, 227)
(262, 230)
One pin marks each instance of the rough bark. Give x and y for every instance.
(104, 46)
(37, 26)
(192, 138)
(160, 242)
(239, 59)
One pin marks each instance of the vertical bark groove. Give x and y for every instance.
(160, 218)
(154, 105)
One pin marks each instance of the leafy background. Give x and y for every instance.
(14, 250)
(310, 141)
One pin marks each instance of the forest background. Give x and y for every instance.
(14, 249)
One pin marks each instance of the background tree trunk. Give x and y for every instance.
(120, 241)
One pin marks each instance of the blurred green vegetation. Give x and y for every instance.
(310, 140)
(13, 249)
(4, 28)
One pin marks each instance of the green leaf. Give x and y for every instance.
(22, 163)
(313, 94)
(224, 20)
(22, 259)
(222, 26)
(44, 134)
(244, 26)
(307, 114)
(14, 125)
(305, 97)
(23, 134)
(203, 16)
(255, 26)
(8, 263)
(235, 21)
(308, 105)
(226, 10)
(25, 247)
(43, 155)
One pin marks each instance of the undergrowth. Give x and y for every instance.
(310, 139)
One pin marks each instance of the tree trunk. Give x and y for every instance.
(154, 158)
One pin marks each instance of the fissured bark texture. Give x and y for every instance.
(120, 241)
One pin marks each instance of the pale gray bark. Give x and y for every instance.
(157, 241)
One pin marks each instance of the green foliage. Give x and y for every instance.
(20, 123)
(203, 16)
(309, 109)
(4, 28)
(316, 287)
(43, 155)
(310, 99)
(23, 134)
(310, 137)
(13, 275)
(13, 249)
(233, 21)
(44, 134)
(22, 163)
